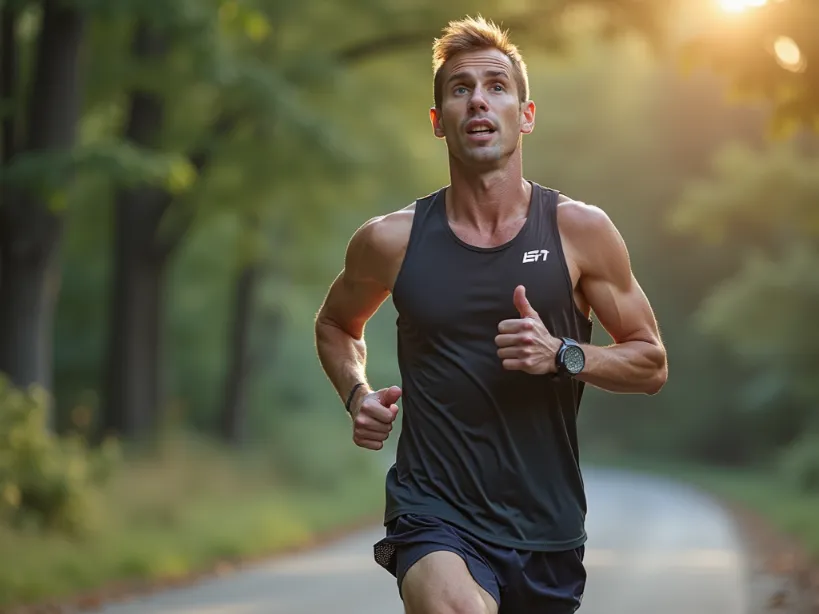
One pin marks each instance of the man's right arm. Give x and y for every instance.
(354, 296)
(374, 255)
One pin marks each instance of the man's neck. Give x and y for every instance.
(487, 200)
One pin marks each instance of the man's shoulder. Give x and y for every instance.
(385, 235)
(589, 235)
(394, 221)
(578, 219)
(388, 234)
(389, 227)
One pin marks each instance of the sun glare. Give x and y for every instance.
(737, 6)
(788, 54)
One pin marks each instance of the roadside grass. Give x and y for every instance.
(170, 514)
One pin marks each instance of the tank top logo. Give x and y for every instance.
(536, 255)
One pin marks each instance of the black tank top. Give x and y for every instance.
(490, 450)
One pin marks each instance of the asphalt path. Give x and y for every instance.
(654, 547)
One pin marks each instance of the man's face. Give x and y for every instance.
(481, 115)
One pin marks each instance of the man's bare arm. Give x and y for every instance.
(373, 257)
(636, 362)
(354, 296)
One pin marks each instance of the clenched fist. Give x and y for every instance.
(373, 417)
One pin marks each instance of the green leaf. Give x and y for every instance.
(257, 27)
(58, 201)
(181, 175)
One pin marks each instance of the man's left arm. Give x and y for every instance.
(636, 362)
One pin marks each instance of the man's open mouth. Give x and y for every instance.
(480, 127)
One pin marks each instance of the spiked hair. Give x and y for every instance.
(473, 34)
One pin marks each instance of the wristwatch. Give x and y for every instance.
(570, 358)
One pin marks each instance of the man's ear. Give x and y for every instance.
(437, 122)
(527, 124)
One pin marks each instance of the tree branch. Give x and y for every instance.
(364, 50)
(542, 22)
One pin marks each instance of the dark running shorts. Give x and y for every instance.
(522, 582)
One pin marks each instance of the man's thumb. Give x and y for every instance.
(522, 304)
(390, 396)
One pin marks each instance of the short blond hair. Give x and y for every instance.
(474, 34)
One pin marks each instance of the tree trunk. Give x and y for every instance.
(240, 362)
(28, 295)
(29, 232)
(133, 393)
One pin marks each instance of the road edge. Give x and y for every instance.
(781, 576)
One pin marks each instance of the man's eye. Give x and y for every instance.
(460, 90)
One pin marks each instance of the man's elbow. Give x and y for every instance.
(323, 328)
(328, 327)
(660, 375)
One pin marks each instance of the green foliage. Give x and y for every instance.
(46, 482)
(762, 205)
(120, 163)
(765, 311)
(759, 198)
(799, 464)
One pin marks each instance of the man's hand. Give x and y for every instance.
(373, 417)
(526, 344)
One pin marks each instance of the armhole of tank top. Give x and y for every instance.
(422, 205)
(552, 212)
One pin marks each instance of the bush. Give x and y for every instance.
(46, 482)
(799, 463)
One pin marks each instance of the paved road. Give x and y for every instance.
(653, 547)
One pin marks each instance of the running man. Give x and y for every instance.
(494, 278)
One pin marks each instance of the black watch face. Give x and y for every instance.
(574, 359)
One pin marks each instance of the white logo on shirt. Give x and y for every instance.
(535, 254)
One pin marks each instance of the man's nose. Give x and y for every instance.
(478, 100)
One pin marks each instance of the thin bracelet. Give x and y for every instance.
(350, 398)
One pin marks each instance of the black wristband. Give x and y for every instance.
(350, 398)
